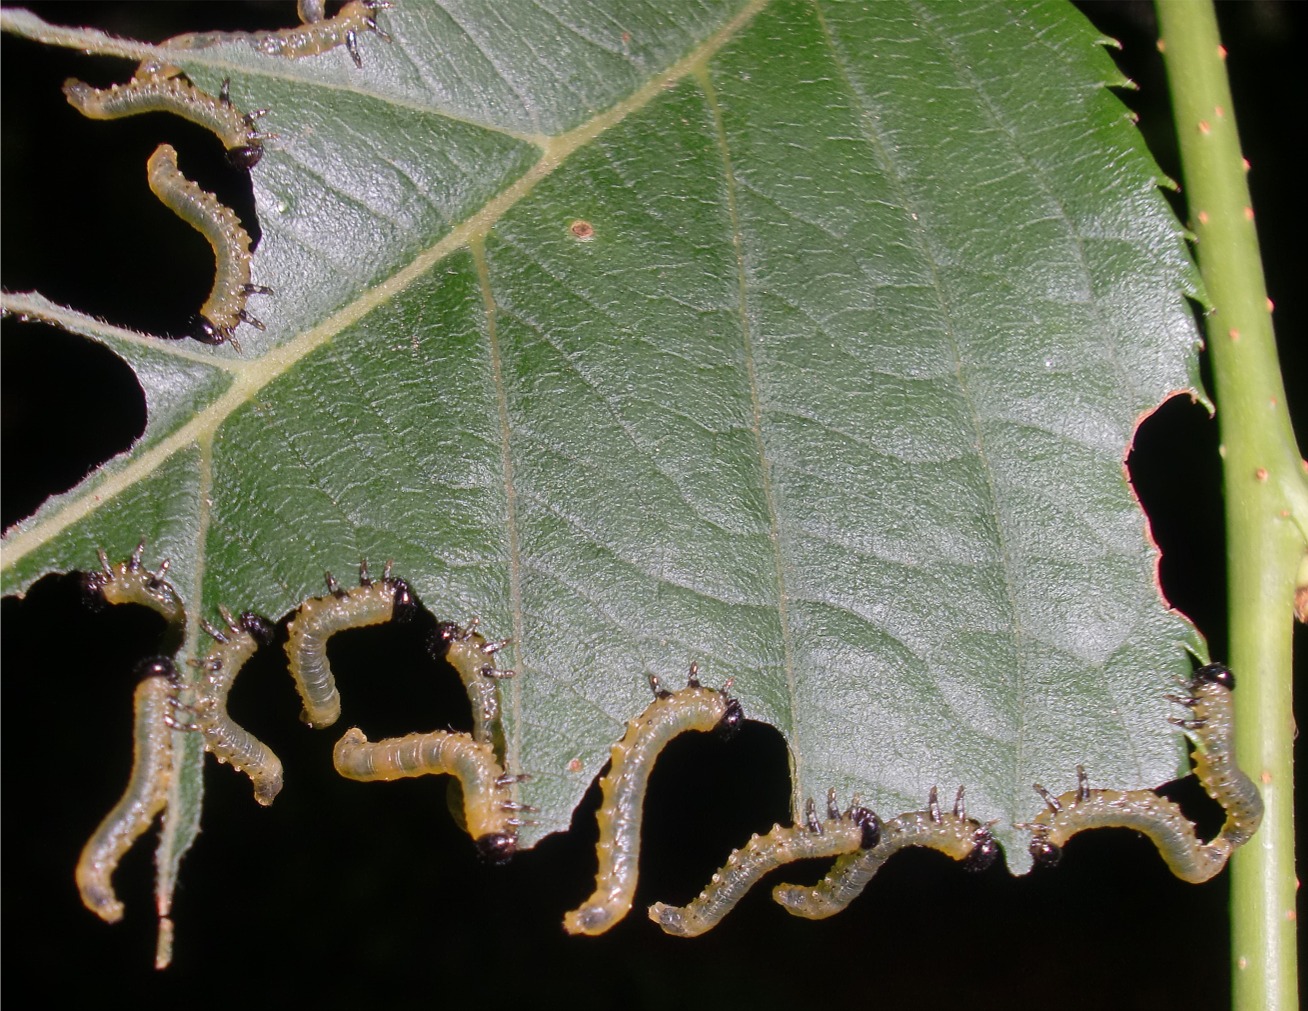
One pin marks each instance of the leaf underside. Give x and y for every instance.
(834, 400)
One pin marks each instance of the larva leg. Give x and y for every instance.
(146, 794)
(1156, 817)
(858, 829)
(489, 811)
(623, 788)
(472, 657)
(952, 833)
(319, 618)
(224, 738)
(130, 582)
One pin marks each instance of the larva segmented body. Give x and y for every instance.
(1156, 817)
(319, 618)
(162, 87)
(623, 788)
(319, 34)
(857, 830)
(130, 582)
(470, 655)
(224, 738)
(489, 811)
(952, 833)
(146, 793)
(224, 310)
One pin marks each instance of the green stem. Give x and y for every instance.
(1266, 495)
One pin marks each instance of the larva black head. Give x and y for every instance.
(496, 847)
(208, 332)
(438, 644)
(869, 823)
(1218, 674)
(156, 667)
(405, 605)
(985, 849)
(93, 584)
(1044, 853)
(731, 720)
(260, 628)
(245, 157)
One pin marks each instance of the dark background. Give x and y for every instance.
(341, 893)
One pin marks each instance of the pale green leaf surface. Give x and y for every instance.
(835, 401)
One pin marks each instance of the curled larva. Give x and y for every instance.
(319, 34)
(857, 830)
(623, 789)
(1162, 821)
(161, 87)
(130, 582)
(952, 833)
(146, 794)
(224, 310)
(470, 655)
(227, 740)
(489, 811)
(319, 618)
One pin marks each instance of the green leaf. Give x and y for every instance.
(833, 396)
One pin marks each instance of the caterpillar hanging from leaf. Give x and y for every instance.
(130, 582)
(224, 310)
(490, 814)
(1210, 724)
(147, 789)
(623, 787)
(162, 87)
(319, 618)
(371, 603)
(224, 738)
(318, 34)
(952, 833)
(857, 830)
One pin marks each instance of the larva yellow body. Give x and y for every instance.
(145, 796)
(489, 810)
(319, 618)
(623, 788)
(324, 35)
(130, 582)
(160, 87)
(224, 310)
(855, 831)
(951, 833)
(468, 652)
(319, 34)
(224, 738)
(1156, 817)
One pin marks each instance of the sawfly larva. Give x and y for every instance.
(1161, 820)
(468, 652)
(130, 582)
(319, 618)
(623, 787)
(146, 793)
(490, 814)
(319, 34)
(224, 310)
(952, 833)
(855, 831)
(162, 87)
(224, 738)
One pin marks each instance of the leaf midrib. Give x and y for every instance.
(251, 377)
